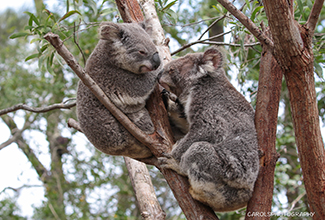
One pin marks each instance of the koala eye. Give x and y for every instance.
(142, 52)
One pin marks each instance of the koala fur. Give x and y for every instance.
(124, 65)
(177, 119)
(219, 154)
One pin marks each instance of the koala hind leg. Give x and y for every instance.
(204, 168)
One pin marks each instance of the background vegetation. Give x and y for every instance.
(82, 183)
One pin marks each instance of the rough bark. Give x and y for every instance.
(266, 115)
(293, 51)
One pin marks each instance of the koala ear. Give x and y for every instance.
(109, 31)
(146, 26)
(213, 55)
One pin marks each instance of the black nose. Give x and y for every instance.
(156, 60)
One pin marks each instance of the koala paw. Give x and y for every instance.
(168, 162)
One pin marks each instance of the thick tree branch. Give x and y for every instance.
(192, 209)
(314, 15)
(266, 117)
(247, 23)
(144, 191)
(63, 105)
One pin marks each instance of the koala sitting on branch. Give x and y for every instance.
(219, 154)
(124, 64)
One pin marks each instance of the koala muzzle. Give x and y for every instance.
(155, 61)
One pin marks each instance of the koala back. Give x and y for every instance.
(124, 64)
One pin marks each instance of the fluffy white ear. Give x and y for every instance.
(213, 56)
(109, 31)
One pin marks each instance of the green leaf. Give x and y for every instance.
(93, 6)
(34, 40)
(32, 18)
(35, 55)
(43, 48)
(19, 34)
(107, 11)
(255, 12)
(69, 14)
(170, 5)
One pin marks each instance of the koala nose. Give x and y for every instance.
(156, 60)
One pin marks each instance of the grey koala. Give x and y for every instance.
(219, 154)
(124, 64)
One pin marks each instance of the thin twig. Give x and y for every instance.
(213, 23)
(294, 202)
(74, 39)
(38, 109)
(54, 212)
(247, 22)
(197, 42)
(198, 22)
(19, 188)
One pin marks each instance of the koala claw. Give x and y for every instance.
(169, 163)
(167, 155)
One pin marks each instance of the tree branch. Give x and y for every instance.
(16, 133)
(266, 116)
(294, 202)
(144, 191)
(314, 14)
(192, 209)
(61, 105)
(247, 23)
(19, 188)
(198, 42)
(74, 124)
(213, 43)
(211, 25)
(36, 163)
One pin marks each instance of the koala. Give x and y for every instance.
(124, 64)
(219, 153)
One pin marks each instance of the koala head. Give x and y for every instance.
(178, 75)
(130, 47)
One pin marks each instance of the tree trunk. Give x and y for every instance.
(293, 51)
(266, 115)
